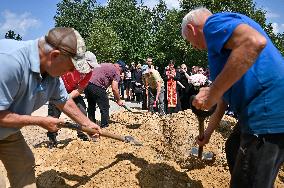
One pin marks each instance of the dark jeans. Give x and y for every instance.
(232, 147)
(97, 95)
(144, 100)
(121, 89)
(160, 103)
(257, 161)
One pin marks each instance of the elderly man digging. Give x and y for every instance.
(29, 77)
(248, 74)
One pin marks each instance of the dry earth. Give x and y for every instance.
(162, 162)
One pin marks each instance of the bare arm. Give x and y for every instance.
(114, 87)
(214, 121)
(159, 87)
(72, 111)
(246, 45)
(9, 119)
(187, 76)
(75, 93)
(115, 90)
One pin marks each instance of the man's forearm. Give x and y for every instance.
(187, 76)
(159, 87)
(72, 111)
(216, 117)
(75, 93)
(116, 94)
(12, 120)
(235, 68)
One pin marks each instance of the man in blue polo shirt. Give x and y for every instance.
(247, 72)
(29, 77)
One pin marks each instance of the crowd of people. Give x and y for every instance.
(167, 91)
(246, 70)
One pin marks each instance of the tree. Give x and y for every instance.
(75, 14)
(104, 42)
(12, 35)
(132, 24)
(124, 29)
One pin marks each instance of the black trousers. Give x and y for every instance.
(97, 95)
(144, 100)
(254, 160)
(232, 147)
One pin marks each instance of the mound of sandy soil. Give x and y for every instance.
(164, 160)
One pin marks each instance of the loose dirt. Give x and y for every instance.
(163, 161)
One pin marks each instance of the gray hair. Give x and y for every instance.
(192, 17)
(45, 46)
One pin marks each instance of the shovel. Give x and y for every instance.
(127, 139)
(127, 108)
(201, 116)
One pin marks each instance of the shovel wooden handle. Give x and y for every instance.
(114, 136)
(92, 131)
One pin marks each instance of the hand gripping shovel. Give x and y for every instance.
(201, 116)
(127, 108)
(127, 139)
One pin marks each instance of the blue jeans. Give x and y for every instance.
(258, 160)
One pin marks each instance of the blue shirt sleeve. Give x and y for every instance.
(11, 77)
(219, 28)
(60, 94)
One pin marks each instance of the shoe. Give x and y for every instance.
(104, 126)
(52, 140)
(82, 136)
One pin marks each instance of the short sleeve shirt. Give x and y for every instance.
(104, 75)
(22, 88)
(257, 98)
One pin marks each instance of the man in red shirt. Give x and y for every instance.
(75, 83)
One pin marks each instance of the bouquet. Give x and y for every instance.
(199, 80)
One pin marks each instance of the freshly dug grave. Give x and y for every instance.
(163, 161)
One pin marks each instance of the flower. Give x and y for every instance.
(199, 80)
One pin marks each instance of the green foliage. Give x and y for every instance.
(12, 35)
(75, 14)
(103, 41)
(132, 23)
(128, 30)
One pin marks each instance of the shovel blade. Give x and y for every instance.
(205, 155)
(130, 139)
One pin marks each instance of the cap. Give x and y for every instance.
(70, 42)
(91, 59)
(121, 64)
